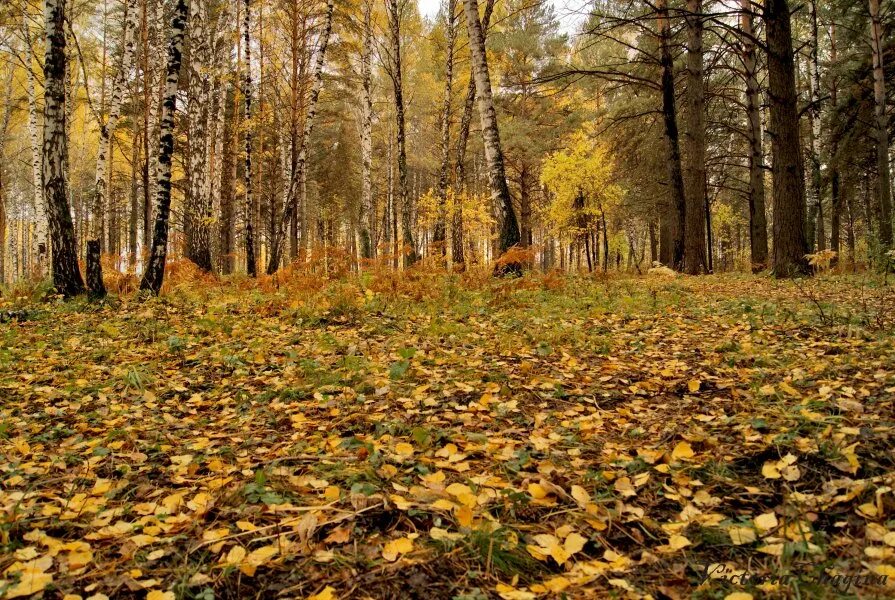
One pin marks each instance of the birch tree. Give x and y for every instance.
(154, 275)
(500, 191)
(66, 276)
(368, 215)
(445, 220)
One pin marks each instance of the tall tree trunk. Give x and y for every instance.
(675, 215)
(462, 141)
(36, 152)
(197, 205)
(4, 127)
(407, 248)
(695, 261)
(228, 178)
(134, 209)
(298, 175)
(500, 191)
(815, 230)
(443, 216)
(884, 183)
(107, 134)
(758, 223)
(66, 276)
(790, 242)
(107, 129)
(248, 216)
(154, 274)
(154, 68)
(368, 216)
(835, 184)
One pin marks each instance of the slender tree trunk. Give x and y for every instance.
(134, 209)
(790, 242)
(248, 216)
(368, 216)
(500, 191)
(36, 152)
(407, 248)
(106, 135)
(758, 224)
(815, 230)
(107, 129)
(835, 187)
(462, 141)
(525, 205)
(605, 241)
(154, 274)
(443, 216)
(848, 193)
(884, 182)
(675, 218)
(298, 176)
(695, 261)
(4, 127)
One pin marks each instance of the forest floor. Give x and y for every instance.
(466, 438)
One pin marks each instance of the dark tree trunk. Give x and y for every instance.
(790, 243)
(94, 272)
(440, 224)
(883, 182)
(525, 206)
(675, 218)
(66, 274)
(758, 223)
(835, 183)
(155, 267)
(248, 216)
(228, 193)
(407, 247)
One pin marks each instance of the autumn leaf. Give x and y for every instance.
(394, 548)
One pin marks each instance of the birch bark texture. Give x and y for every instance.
(66, 275)
(500, 191)
(154, 274)
(368, 215)
(107, 129)
(444, 219)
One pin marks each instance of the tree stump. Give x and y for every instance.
(95, 287)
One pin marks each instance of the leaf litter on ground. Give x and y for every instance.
(453, 437)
